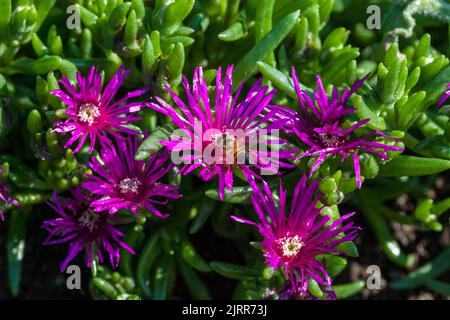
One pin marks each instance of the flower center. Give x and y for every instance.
(289, 247)
(129, 186)
(230, 149)
(89, 220)
(87, 113)
(332, 140)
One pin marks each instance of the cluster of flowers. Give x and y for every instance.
(118, 181)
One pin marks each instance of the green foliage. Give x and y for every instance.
(162, 40)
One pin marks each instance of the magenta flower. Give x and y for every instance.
(318, 124)
(219, 134)
(5, 197)
(292, 242)
(92, 113)
(127, 183)
(83, 228)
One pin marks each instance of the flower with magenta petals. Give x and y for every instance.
(92, 113)
(127, 183)
(318, 125)
(83, 228)
(292, 241)
(239, 134)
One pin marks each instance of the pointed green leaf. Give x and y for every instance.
(152, 143)
(15, 246)
(413, 166)
(247, 66)
(233, 271)
(347, 290)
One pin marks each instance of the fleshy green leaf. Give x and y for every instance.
(15, 247)
(347, 290)
(233, 271)
(413, 166)
(247, 66)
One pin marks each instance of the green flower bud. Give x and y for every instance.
(351, 72)
(5, 18)
(38, 46)
(139, 7)
(75, 181)
(167, 42)
(334, 198)
(432, 69)
(348, 185)
(128, 283)
(56, 46)
(130, 40)
(407, 112)
(148, 56)
(364, 35)
(423, 47)
(369, 168)
(141, 219)
(301, 38)
(23, 20)
(87, 17)
(105, 287)
(328, 185)
(175, 64)
(392, 55)
(268, 273)
(51, 141)
(62, 184)
(235, 32)
(42, 91)
(314, 288)
(412, 80)
(34, 122)
(331, 211)
(155, 38)
(435, 226)
(116, 276)
(174, 14)
(382, 72)
(69, 69)
(422, 211)
(86, 44)
(336, 39)
(118, 17)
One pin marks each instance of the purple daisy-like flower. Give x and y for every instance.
(91, 112)
(318, 124)
(127, 183)
(220, 134)
(292, 242)
(5, 197)
(83, 228)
